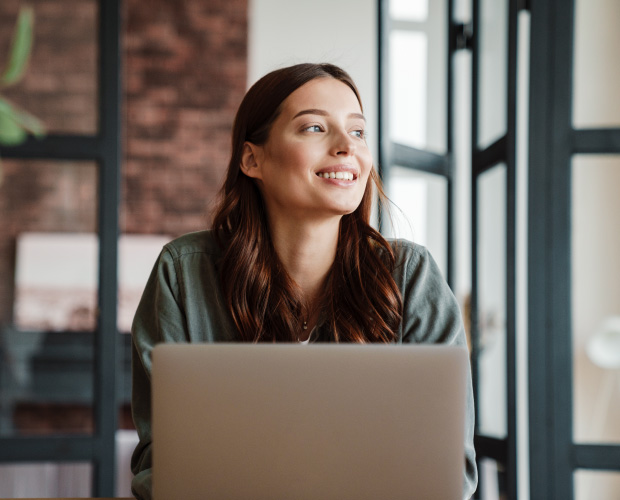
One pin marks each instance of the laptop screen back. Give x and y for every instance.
(328, 421)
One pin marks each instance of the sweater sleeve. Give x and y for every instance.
(431, 315)
(159, 318)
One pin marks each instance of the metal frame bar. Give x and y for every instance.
(494, 448)
(474, 323)
(66, 147)
(561, 352)
(595, 141)
(511, 252)
(550, 355)
(53, 448)
(107, 338)
(490, 156)
(554, 456)
(597, 456)
(383, 142)
(503, 150)
(105, 149)
(450, 139)
(419, 159)
(540, 253)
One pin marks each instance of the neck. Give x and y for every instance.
(307, 250)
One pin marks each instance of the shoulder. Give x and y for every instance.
(415, 270)
(200, 242)
(408, 254)
(430, 311)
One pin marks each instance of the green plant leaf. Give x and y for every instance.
(5, 106)
(29, 122)
(20, 49)
(11, 132)
(14, 115)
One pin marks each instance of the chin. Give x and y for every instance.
(346, 210)
(337, 207)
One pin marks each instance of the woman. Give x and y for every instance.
(291, 256)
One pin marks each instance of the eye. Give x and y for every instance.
(313, 128)
(360, 134)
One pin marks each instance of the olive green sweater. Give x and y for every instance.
(182, 302)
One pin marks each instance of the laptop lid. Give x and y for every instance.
(328, 421)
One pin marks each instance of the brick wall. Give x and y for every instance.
(184, 75)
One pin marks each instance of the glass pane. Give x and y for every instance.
(596, 96)
(492, 76)
(420, 210)
(596, 297)
(492, 480)
(60, 85)
(418, 87)
(56, 281)
(407, 96)
(461, 156)
(602, 485)
(409, 10)
(491, 245)
(46, 480)
(126, 442)
(462, 11)
(48, 252)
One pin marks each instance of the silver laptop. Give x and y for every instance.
(315, 422)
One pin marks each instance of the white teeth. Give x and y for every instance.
(346, 176)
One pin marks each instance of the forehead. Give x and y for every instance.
(326, 94)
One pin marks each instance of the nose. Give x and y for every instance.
(344, 144)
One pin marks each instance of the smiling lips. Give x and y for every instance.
(342, 172)
(345, 176)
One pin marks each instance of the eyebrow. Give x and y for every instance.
(322, 112)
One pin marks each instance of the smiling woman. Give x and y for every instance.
(292, 256)
(292, 238)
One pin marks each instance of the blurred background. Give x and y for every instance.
(495, 125)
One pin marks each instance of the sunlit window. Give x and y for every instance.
(407, 96)
(409, 10)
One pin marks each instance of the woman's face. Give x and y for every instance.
(316, 162)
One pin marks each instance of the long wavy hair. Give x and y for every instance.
(361, 302)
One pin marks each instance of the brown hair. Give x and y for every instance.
(361, 302)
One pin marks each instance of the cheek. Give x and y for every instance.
(366, 163)
(289, 158)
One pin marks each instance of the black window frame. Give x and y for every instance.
(105, 149)
(392, 153)
(463, 37)
(553, 141)
(501, 151)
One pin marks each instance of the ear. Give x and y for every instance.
(251, 160)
